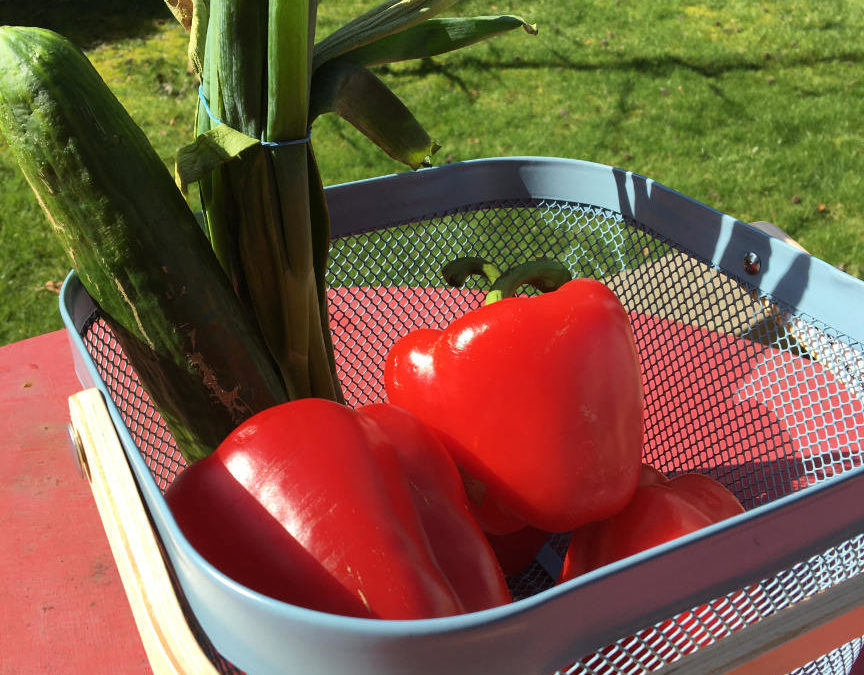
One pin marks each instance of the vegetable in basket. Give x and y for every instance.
(539, 400)
(355, 512)
(264, 81)
(134, 242)
(661, 510)
(209, 360)
(516, 551)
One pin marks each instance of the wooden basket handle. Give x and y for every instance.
(168, 640)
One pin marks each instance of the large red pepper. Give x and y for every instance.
(355, 512)
(661, 510)
(539, 399)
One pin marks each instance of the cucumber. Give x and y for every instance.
(133, 241)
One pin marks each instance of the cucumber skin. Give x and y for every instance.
(133, 241)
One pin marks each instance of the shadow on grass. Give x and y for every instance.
(87, 22)
(658, 66)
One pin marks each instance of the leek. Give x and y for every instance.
(263, 82)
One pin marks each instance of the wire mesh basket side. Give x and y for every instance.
(737, 387)
(841, 660)
(730, 390)
(684, 634)
(729, 387)
(145, 424)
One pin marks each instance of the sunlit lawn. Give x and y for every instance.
(752, 108)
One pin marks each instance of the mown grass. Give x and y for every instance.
(752, 108)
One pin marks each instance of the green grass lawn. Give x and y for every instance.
(752, 108)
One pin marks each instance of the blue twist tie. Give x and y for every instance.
(272, 144)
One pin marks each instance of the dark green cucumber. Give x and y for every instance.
(133, 241)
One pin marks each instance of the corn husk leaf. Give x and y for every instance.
(435, 36)
(360, 98)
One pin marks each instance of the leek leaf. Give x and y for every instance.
(193, 15)
(240, 82)
(198, 35)
(435, 36)
(209, 150)
(386, 19)
(360, 98)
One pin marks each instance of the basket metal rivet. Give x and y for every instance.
(752, 263)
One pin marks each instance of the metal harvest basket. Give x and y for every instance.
(753, 367)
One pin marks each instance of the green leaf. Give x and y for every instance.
(360, 98)
(239, 70)
(290, 35)
(386, 19)
(198, 34)
(210, 150)
(435, 36)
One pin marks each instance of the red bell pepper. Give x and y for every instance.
(539, 399)
(355, 512)
(517, 550)
(662, 509)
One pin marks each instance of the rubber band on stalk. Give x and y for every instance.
(271, 144)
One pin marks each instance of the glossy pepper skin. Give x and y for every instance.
(539, 399)
(353, 512)
(661, 510)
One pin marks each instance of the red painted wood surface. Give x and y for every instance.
(62, 604)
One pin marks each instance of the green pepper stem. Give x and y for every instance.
(456, 272)
(543, 274)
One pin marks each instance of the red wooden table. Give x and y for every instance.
(63, 608)
(62, 605)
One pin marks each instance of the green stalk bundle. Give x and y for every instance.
(258, 208)
(264, 81)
